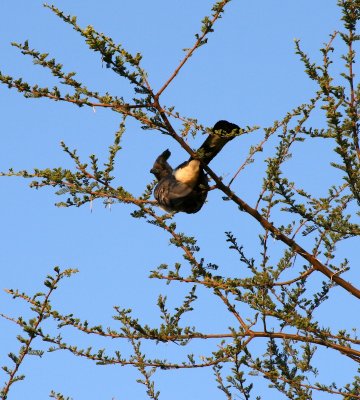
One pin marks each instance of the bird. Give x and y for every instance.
(185, 188)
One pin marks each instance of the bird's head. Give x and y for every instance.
(161, 167)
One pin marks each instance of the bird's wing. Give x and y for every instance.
(170, 193)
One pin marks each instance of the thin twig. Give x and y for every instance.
(191, 51)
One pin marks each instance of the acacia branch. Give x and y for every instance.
(42, 313)
(233, 311)
(124, 109)
(278, 235)
(190, 52)
(246, 333)
(354, 117)
(230, 286)
(270, 376)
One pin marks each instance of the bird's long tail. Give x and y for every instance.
(215, 142)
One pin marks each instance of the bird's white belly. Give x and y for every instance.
(189, 173)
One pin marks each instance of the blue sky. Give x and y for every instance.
(247, 73)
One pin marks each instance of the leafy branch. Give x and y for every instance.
(32, 327)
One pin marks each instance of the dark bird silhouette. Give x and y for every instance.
(185, 188)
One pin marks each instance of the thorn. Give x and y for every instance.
(337, 273)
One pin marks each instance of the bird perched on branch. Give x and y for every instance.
(185, 188)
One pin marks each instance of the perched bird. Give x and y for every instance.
(185, 188)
